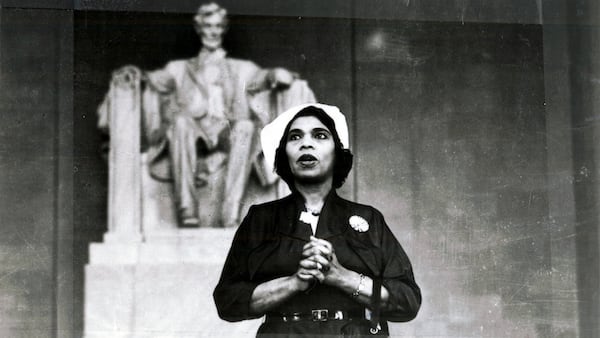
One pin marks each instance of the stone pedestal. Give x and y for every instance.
(159, 288)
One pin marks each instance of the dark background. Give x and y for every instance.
(475, 130)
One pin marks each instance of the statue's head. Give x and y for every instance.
(210, 22)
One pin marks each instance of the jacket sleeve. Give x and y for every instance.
(405, 295)
(234, 290)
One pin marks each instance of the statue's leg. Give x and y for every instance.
(183, 158)
(238, 170)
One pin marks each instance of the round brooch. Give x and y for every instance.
(358, 223)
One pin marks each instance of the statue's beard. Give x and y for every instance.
(211, 43)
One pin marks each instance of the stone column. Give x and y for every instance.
(124, 201)
(110, 275)
(562, 223)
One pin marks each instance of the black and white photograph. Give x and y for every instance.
(265, 168)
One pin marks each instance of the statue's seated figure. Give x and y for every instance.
(201, 119)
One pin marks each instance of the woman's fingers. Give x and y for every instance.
(308, 264)
(315, 262)
(314, 241)
(320, 259)
(308, 274)
(315, 274)
(304, 276)
(312, 249)
(321, 252)
(325, 248)
(321, 242)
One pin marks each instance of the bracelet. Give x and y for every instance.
(361, 285)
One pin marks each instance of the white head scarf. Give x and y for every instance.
(271, 134)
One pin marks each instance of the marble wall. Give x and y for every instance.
(36, 165)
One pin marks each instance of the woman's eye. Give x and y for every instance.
(294, 137)
(321, 136)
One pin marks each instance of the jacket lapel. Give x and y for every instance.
(331, 222)
(285, 213)
(333, 226)
(289, 213)
(334, 222)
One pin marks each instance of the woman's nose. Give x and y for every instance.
(306, 143)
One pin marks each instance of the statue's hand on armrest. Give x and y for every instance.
(281, 78)
(127, 75)
(156, 136)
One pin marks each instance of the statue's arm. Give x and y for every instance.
(159, 85)
(121, 100)
(102, 114)
(151, 117)
(126, 77)
(269, 79)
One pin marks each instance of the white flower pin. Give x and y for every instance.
(309, 218)
(358, 223)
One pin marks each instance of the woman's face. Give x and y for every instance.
(310, 150)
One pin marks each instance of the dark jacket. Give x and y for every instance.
(268, 245)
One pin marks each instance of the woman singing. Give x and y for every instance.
(314, 263)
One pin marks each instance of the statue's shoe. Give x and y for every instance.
(190, 222)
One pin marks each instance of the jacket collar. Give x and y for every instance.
(333, 222)
(329, 221)
(328, 225)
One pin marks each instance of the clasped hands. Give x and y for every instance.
(319, 263)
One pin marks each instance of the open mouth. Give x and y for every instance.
(307, 160)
